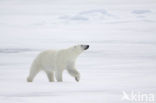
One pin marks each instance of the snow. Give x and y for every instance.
(121, 57)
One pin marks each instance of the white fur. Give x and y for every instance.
(55, 62)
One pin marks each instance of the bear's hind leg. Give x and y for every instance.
(58, 76)
(50, 76)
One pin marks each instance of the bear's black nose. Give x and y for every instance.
(87, 46)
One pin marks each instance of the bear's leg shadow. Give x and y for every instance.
(50, 76)
(32, 74)
(58, 76)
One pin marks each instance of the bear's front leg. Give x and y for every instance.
(73, 72)
(58, 76)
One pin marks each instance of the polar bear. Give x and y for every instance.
(55, 62)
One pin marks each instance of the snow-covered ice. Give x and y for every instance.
(122, 54)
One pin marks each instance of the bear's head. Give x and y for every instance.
(80, 48)
(84, 47)
(77, 50)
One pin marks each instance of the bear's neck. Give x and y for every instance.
(72, 53)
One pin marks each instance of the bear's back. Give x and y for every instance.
(47, 58)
